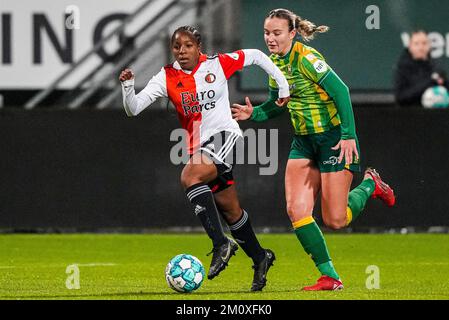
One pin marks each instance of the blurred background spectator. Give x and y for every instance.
(72, 160)
(416, 72)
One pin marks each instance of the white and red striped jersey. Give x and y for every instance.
(201, 96)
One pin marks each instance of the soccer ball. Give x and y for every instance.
(184, 273)
(435, 97)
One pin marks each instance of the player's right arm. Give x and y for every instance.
(134, 104)
(271, 108)
(278, 97)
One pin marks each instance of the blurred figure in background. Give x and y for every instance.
(416, 71)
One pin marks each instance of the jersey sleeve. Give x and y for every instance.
(157, 86)
(231, 62)
(314, 67)
(272, 85)
(257, 57)
(134, 104)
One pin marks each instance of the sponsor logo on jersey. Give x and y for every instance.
(210, 78)
(311, 57)
(192, 102)
(320, 66)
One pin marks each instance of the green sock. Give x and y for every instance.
(312, 240)
(359, 196)
(328, 269)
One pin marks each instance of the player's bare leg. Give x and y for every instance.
(199, 169)
(341, 206)
(229, 205)
(335, 188)
(196, 174)
(302, 185)
(242, 231)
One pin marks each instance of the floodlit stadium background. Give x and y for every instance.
(72, 160)
(91, 204)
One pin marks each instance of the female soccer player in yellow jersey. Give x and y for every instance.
(324, 151)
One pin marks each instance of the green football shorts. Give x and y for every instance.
(318, 147)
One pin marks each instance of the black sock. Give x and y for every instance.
(203, 201)
(243, 233)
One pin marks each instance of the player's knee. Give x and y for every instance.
(185, 181)
(232, 216)
(298, 210)
(189, 178)
(335, 223)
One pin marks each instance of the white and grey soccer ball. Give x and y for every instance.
(184, 273)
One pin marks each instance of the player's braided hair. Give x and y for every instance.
(305, 28)
(191, 31)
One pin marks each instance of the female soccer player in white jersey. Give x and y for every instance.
(197, 85)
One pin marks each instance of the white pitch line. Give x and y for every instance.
(106, 264)
(95, 264)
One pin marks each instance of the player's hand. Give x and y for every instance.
(282, 102)
(126, 74)
(348, 148)
(438, 79)
(242, 112)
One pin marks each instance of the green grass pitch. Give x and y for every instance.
(123, 266)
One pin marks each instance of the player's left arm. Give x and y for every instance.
(235, 61)
(339, 91)
(316, 69)
(257, 57)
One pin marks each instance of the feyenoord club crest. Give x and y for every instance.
(210, 78)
